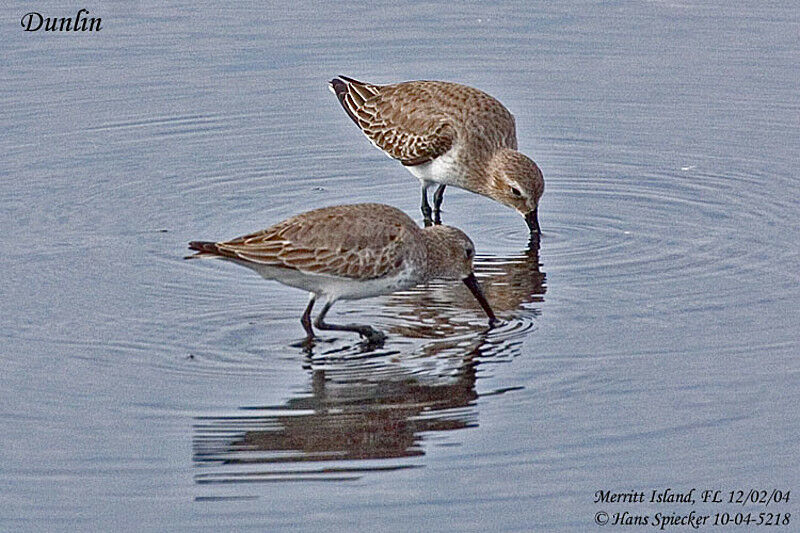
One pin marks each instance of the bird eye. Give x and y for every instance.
(470, 252)
(516, 191)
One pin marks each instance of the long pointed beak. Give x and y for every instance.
(475, 287)
(532, 218)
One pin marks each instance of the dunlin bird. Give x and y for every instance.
(448, 134)
(349, 252)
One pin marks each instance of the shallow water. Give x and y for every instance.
(650, 342)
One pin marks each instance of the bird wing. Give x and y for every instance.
(326, 241)
(404, 120)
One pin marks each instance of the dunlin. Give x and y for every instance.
(349, 252)
(448, 134)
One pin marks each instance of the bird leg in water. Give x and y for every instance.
(306, 319)
(425, 207)
(368, 332)
(438, 196)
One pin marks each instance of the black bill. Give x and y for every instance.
(532, 218)
(475, 287)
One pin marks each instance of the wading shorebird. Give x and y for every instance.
(349, 252)
(448, 134)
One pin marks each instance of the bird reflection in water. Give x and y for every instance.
(510, 284)
(380, 405)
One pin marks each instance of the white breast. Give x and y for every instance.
(445, 169)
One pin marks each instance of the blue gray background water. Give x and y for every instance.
(651, 342)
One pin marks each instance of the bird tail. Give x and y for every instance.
(204, 249)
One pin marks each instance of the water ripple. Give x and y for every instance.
(374, 405)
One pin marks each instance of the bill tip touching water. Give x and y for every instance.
(447, 134)
(350, 252)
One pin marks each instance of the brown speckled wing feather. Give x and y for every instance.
(326, 241)
(408, 121)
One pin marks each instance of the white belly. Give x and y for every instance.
(335, 287)
(445, 169)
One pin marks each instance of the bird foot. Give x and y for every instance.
(372, 336)
(495, 323)
(307, 342)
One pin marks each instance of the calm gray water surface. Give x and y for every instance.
(651, 342)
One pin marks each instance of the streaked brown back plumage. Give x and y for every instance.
(416, 122)
(360, 241)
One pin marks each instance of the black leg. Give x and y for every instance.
(368, 332)
(438, 196)
(306, 318)
(308, 342)
(425, 207)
